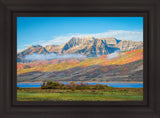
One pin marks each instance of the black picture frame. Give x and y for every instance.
(10, 9)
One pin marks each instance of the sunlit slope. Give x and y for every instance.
(126, 65)
(63, 64)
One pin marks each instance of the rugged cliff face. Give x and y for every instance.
(91, 46)
(110, 41)
(88, 46)
(125, 45)
(84, 46)
(54, 48)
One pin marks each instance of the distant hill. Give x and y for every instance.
(31, 50)
(88, 46)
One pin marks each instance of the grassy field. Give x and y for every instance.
(115, 94)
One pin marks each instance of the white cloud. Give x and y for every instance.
(119, 34)
(113, 55)
(52, 56)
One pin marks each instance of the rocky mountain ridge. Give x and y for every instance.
(88, 46)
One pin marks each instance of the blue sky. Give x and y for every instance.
(57, 30)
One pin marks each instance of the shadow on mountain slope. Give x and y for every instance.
(109, 73)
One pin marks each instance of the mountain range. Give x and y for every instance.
(88, 46)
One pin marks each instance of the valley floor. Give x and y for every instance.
(115, 94)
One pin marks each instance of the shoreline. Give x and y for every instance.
(81, 81)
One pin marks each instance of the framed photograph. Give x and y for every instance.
(78, 64)
(79, 59)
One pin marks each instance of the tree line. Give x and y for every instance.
(73, 86)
